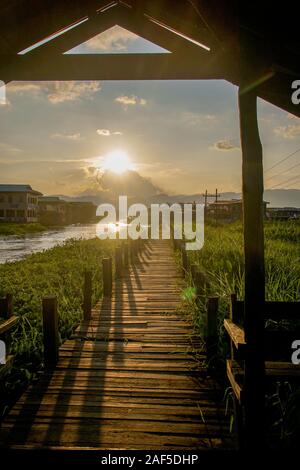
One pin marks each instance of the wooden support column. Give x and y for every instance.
(212, 328)
(126, 254)
(6, 306)
(87, 295)
(184, 259)
(252, 169)
(194, 268)
(118, 261)
(107, 276)
(50, 332)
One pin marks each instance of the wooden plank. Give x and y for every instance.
(236, 335)
(6, 325)
(107, 67)
(237, 389)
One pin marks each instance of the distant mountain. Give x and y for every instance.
(283, 197)
(140, 189)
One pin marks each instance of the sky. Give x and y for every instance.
(182, 135)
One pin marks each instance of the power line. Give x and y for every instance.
(282, 160)
(294, 182)
(285, 182)
(282, 172)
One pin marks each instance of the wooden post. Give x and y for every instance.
(149, 222)
(6, 311)
(50, 332)
(177, 244)
(6, 306)
(107, 276)
(126, 254)
(87, 295)
(194, 269)
(118, 261)
(254, 266)
(200, 285)
(184, 259)
(212, 328)
(131, 250)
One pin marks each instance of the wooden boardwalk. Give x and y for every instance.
(128, 379)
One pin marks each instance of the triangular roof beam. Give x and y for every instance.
(106, 18)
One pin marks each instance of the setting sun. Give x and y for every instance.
(117, 161)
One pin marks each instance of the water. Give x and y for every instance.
(13, 248)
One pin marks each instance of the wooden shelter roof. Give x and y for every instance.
(229, 32)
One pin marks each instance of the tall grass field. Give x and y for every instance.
(221, 261)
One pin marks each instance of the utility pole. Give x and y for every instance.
(215, 195)
(205, 198)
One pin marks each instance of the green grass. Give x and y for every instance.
(221, 260)
(20, 229)
(59, 272)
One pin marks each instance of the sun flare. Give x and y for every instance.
(117, 161)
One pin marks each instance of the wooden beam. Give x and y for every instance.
(252, 171)
(180, 16)
(278, 91)
(141, 25)
(90, 28)
(24, 23)
(109, 67)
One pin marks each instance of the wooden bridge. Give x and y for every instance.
(129, 378)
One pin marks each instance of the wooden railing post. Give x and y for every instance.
(184, 259)
(194, 269)
(131, 251)
(87, 295)
(50, 332)
(200, 285)
(107, 276)
(126, 254)
(177, 244)
(134, 250)
(6, 312)
(6, 306)
(212, 328)
(138, 245)
(118, 261)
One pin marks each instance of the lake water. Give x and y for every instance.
(14, 248)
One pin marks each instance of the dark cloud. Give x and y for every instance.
(224, 145)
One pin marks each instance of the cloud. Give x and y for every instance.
(9, 148)
(57, 92)
(107, 132)
(72, 91)
(288, 132)
(161, 169)
(224, 144)
(23, 87)
(193, 119)
(5, 103)
(104, 132)
(292, 116)
(131, 100)
(114, 39)
(74, 137)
